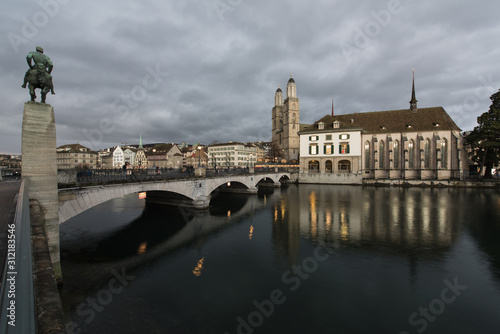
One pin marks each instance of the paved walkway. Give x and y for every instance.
(8, 192)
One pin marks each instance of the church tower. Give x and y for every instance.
(277, 119)
(286, 121)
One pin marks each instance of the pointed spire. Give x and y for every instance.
(140, 141)
(332, 107)
(413, 102)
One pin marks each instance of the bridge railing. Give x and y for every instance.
(100, 176)
(16, 294)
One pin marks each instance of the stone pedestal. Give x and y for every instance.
(39, 165)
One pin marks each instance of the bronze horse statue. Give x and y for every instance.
(38, 75)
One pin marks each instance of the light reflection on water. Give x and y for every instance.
(393, 248)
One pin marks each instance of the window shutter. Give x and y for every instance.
(324, 149)
(332, 148)
(310, 140)
(340, 149)
(310, 149)
(348, 149)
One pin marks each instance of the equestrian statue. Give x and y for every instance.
(38, 75)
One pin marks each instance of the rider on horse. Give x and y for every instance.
(42, 68)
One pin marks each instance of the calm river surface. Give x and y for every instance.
(301, 259)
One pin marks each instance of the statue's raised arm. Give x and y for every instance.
(38, 74)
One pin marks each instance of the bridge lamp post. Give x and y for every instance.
(199, 156)
(154, 158)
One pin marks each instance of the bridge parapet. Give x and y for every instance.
(75, 177)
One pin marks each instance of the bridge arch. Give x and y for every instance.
(74, 201)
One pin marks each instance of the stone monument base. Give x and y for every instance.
(39, 165)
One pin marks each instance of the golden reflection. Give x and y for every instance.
(142, 248)
(250, 234)
(265, 200)
(275, 214)
(344, 227)
(328, 220)
(283, 209)
(199, 267)
(228, 213)
(314, 214)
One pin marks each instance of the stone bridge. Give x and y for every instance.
(194, 192)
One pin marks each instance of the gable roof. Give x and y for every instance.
(402, 120)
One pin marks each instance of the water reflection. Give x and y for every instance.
(398, 220)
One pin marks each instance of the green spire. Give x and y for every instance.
(140, 141)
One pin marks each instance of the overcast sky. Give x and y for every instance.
(201, 71)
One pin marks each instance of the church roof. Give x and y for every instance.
(403, 120)
(291, 80)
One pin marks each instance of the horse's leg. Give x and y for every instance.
(32, 93)
(45, 90)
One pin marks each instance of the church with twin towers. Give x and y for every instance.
(286, 122)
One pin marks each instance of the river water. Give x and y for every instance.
(300, 259)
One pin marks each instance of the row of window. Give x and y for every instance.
(328, 149)
(343, 136)
(409, 154)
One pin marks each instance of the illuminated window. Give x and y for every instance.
(367, 155)
(344, 136)
(313, 149)
(344, 148)
(396, 154)
(411, 154)
(328, 149)
(444, 153)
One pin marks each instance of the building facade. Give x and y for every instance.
(232, 155)
(408, 144)
(165, 156)
(76, 156)
(118, 157)
(330, 148)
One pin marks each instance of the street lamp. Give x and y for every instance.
(199, 156)
(154, 158)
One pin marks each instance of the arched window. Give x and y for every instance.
(368, 154)
(444, 153)
(396, 153)
(381, 155)
(411, 154)
(328, 166)
(427, 154)
(344, 166)
(314, 166)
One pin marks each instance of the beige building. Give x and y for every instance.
(231, 155)
(165, 156)
(76, 156)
